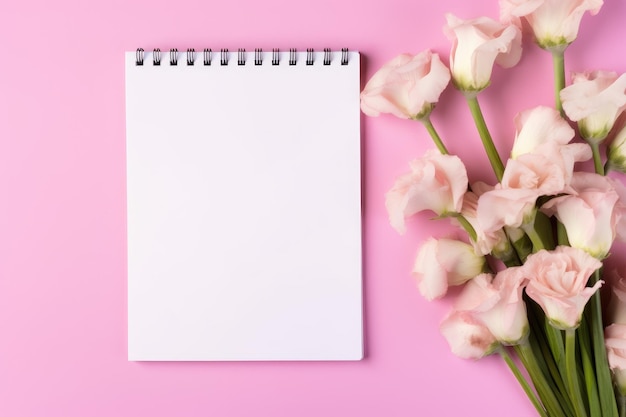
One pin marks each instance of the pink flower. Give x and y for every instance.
(615, 342)
(543, 158)
(511, 207)
(498, 304)
(557, 282)
(445, 262)
(554, 22)
(476, 45)
(595, 100)
(408, 86)
(467, 337)
(616, 151)
(590, 215)
(617, 304)
(537, 126)
(486, 241)
(542, 164)
(436, 182)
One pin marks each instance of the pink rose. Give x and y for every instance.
(554, 22)
(467, 337)
(436, 182)
(595, 100)
(615, 342)
(498, 304)
(445, 262)
(557, 282)
(537, 126)
(476, 45)
(408, 86)
(590, 215)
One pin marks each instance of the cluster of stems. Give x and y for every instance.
(568, 368)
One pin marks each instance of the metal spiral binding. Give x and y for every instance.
(207, 56)
(173, 56)
(156, 57)
(139, 56)
(309, 56)
(241, 56)
(326, 56)
(292, 57)
(344, 56)
(275, 56)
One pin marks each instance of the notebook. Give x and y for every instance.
(244, 205)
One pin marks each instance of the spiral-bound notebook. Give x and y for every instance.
(244, 205)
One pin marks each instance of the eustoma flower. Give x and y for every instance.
(468, 338)
(616, 151)
(615, 341)
(557, 281)
(616, 311)
(407, 87)
(554, 22)
(498, 304)
(477, 44)
(436, 182)
(591, 215)
(542, 162)
(486, 242)
(595, 100)
(445, 262)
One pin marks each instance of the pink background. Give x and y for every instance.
(62, 210)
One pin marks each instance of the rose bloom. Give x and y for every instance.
(591, 215)
(407, 87)
(595, 100)
(554, 22)
(467, 337)
(445, 262)
(476, 45)
(615, 342)
(498, 304)
(557, 281)
(436, 182)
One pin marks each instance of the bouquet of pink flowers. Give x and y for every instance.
(532, 265)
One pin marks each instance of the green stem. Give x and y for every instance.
(466, 225)
(622, 406)
(597, 158)
(483, 131)
(561, 233)
(545, 390)
(558, 62)
(572, 373)
(536, 238)
(522, 381)
(603, 373)
(588, 368)
(433, 134)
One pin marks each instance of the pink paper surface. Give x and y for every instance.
(62, 216)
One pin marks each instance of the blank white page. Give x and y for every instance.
(244, 209)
